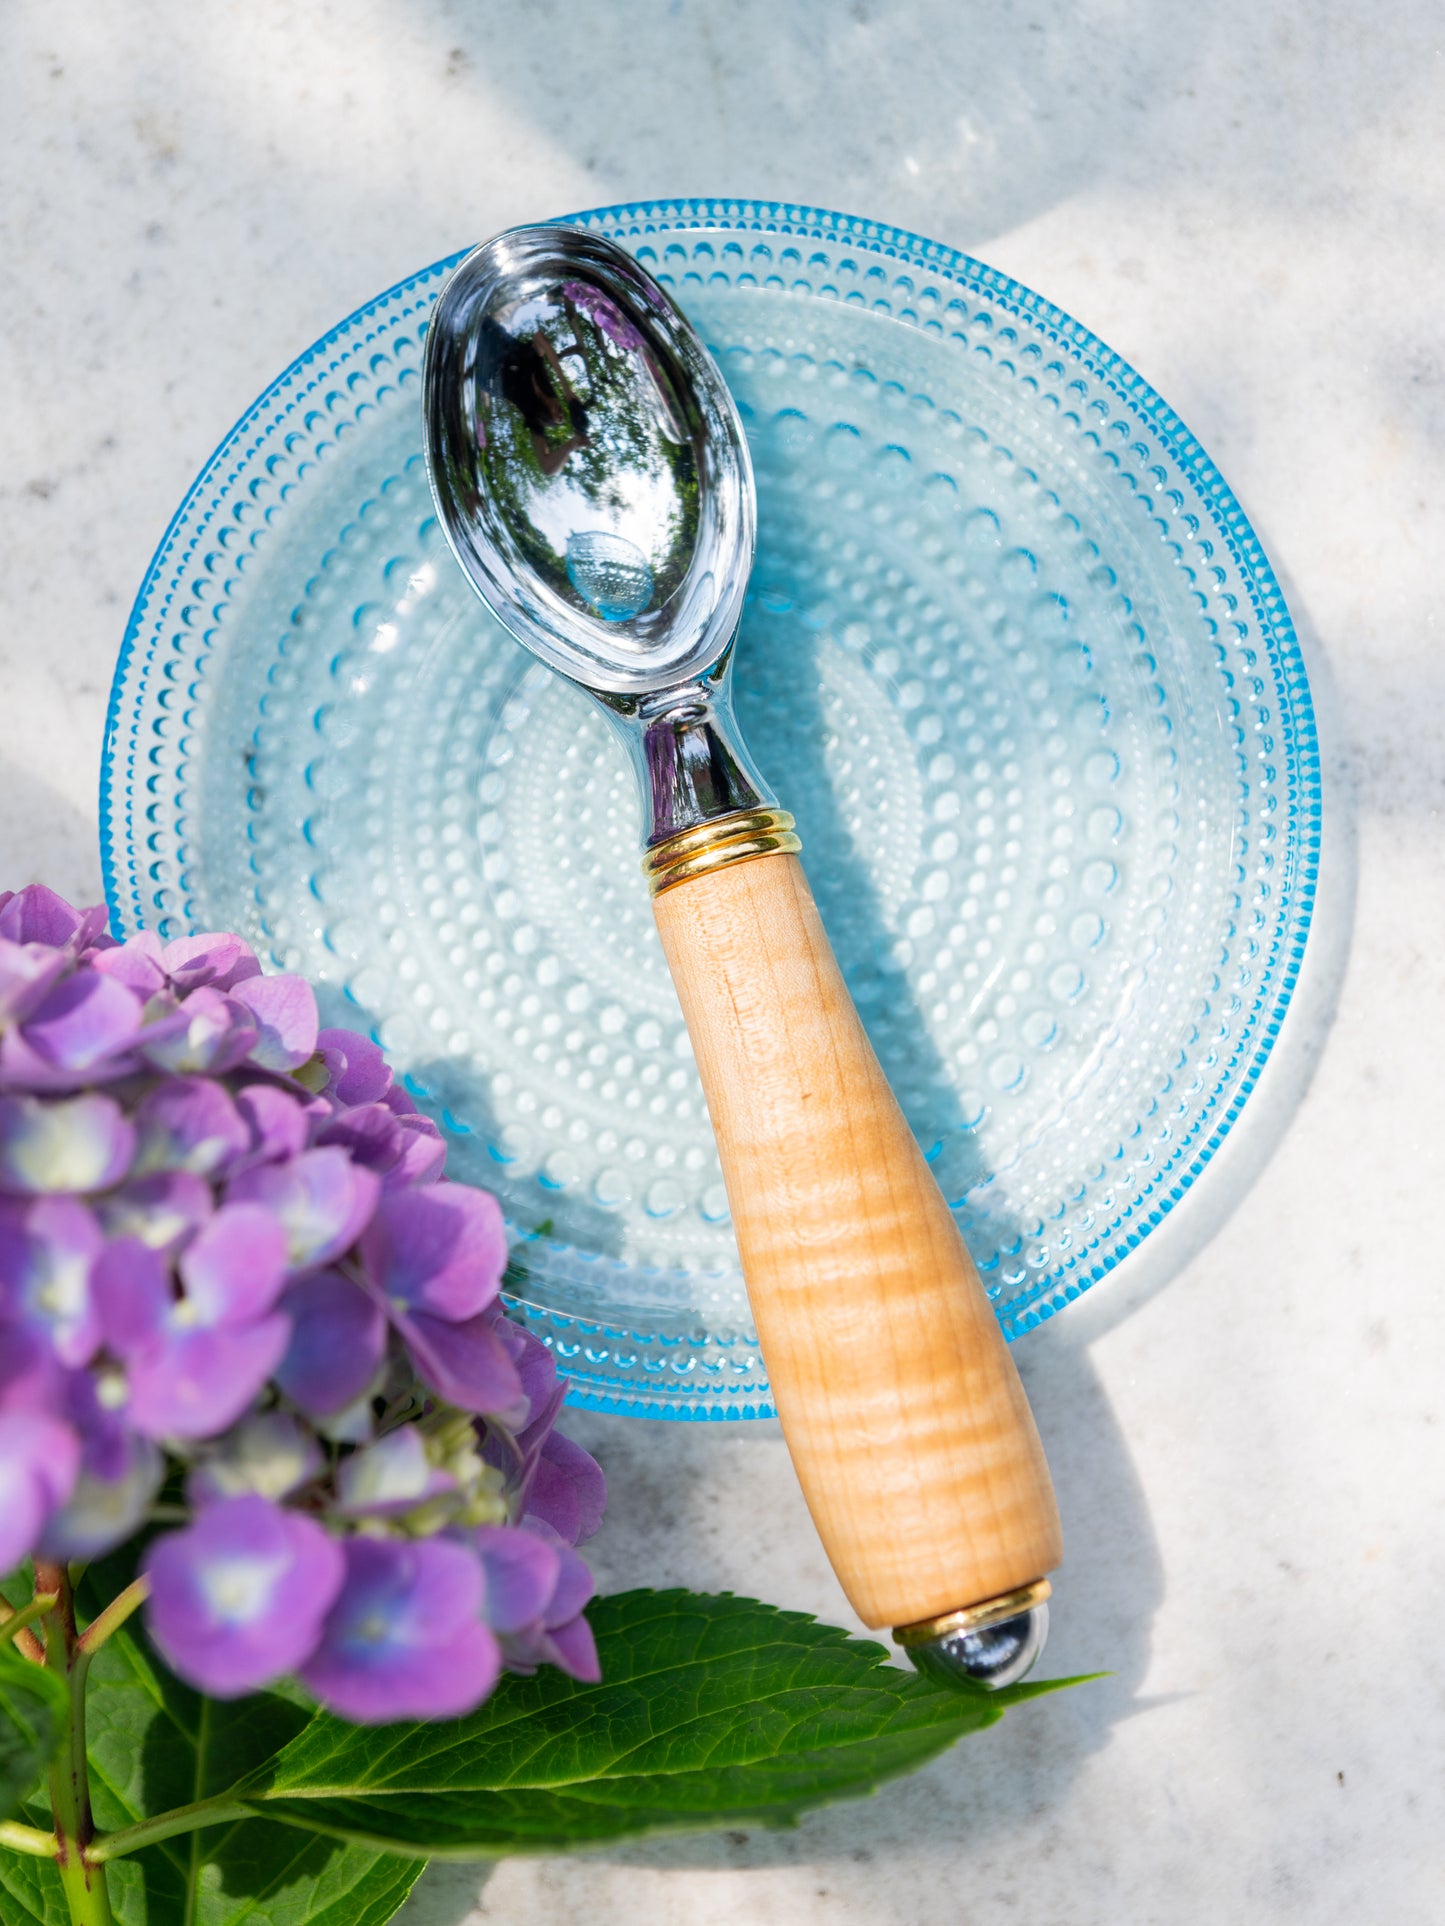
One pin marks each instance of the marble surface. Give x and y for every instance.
(1248, 201)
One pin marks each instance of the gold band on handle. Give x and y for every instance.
(713, 845)
(973, 1618)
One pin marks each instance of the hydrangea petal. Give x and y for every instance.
(278, 1125)
(192, 962)
(37, 915)
(27, 971)
(136, 963)
(234, 1270)
(423, 1153)
(321, 1198)
(567, 1489)
(369, 1134)
(161, 1211)
(208, 1033)
(196, 1382)
(108, 1501)
(404, 1639)
(46, 1251)
(359, 1070)
(71, 1144)
(284, 1009)
(131, 1285)
(85, 1019)
(441, 1250)
(188, 1123)
(31, 1380)
(390, 1477)
(574, 1587)
(338, 1336)
(268, 1453)
(521, 1572)
(541, 1386)
(39, 1464)
(573, 1649)
(465, 1363)
(239, 1597)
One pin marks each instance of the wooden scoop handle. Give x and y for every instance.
(910, 1431)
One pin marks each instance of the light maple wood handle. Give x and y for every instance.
(909, 1429)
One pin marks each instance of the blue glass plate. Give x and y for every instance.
(1012, 656)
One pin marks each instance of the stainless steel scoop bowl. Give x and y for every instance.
(593, 480)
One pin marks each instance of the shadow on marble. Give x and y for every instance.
(44, 838)
(1025, 122)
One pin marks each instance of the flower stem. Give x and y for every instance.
(17, 1838)
(15, 1624)
(112, 1618)
(84, 1884)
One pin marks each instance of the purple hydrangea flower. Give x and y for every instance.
(190, 1124)
(83, 1031)
(162, 1211)
(72, 1144)
(39, 1463)
(321, 1198)
(239, 1597)
(405, 1639)
(269, 1454)
(284, 1011)
(207, 1033)
(338, 1335)
(279, 1126)
(46, 1252)
(554, 1482)
(27, 971)
(194, 1362)
(357, 1071)
(535, 1592)
(120, 1475)
(389, 1478)
(191, 962)
(225, 1240)
(38, 915)
(434, 1258)
(566, 1490)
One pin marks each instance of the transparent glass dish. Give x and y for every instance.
(1012, 656)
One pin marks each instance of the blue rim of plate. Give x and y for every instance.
(632, 221)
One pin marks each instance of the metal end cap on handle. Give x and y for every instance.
(993, 1644)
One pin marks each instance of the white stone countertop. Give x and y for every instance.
(1247, 200)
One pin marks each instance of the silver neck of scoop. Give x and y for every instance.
(690, 762)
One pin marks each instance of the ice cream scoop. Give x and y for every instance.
(592, 478)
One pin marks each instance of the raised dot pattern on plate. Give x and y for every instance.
(1012, 656)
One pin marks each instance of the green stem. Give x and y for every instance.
(18, 1838)
(217, 1811)
(112, 1618)
(13, 1623)
(84, 1885)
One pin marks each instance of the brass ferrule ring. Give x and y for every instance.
(737, 838)
(973, 1618)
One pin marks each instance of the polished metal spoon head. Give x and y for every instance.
(588, 463)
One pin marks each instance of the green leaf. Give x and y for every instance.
(712, 1711)
(154, 1744)
(34, 1706)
